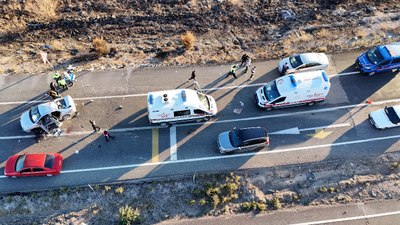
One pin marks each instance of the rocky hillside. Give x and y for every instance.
(149, 32)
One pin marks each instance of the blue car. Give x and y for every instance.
(380, 59)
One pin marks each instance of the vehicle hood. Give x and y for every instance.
(10, 165)
(363, 61)
(224, 142)
(380, 119)
(26, 122)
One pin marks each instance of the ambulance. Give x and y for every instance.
(305, 88)
(180, 105)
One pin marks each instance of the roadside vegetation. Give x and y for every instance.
(248, 191)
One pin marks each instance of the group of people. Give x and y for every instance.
(246, 63)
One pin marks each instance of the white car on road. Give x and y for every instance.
(49, 115)
(387, 117)
(304, 62)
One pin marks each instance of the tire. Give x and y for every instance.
(371, 73)
(164, 124)
(66, 117)
(311, 103)
(206, 118)
(268, 109)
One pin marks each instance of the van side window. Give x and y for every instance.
(384, 62)
(182, 113)
(281, 99)
(198, 111)
(396, 60)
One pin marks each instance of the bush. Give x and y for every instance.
(323, 190)
(43, 10)
(128, 215)
(188, 40)
(100, 46)
(276, 204)
(202, 202)
(215, 201)
(119, 190)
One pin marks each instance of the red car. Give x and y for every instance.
(43, 164)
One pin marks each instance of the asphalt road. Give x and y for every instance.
(371, 213)
(334, 129)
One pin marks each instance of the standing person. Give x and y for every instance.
(248, 63)
(284, 69)
(107, 136)
(232, 72)
(192, 77)
(252, 71)
(244, 58)
(56, 76)
(54, 94)
(94, 126)
(62, 84)
(53, 86)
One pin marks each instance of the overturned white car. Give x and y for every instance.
(387, 117)
(46, 117)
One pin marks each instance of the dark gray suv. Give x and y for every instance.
(243, 139)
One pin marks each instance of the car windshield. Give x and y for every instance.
(271, 91)
(48, 163)
(19, 165)
(204, 100)
(374, 56)
(234, 137)
(295, 61)
(392, 115)
(34, 114)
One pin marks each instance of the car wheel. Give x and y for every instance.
(206, 118)
(164, 124)
(268, 109)
(311, 103)
(371, 73)
(49, 175)
(65, 117)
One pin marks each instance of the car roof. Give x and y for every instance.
(311, 57)
(393, 49)
(252, 133)
(47, 108)
(34, 160)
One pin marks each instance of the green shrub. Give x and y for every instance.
(215, 201)
(202, 202)
(119, 190)
(331, 190)
(246, 206)
(261, 206)
(276, 203)
(323, 190)
(192, 202)
(128, 215)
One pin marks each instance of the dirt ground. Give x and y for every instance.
(148, 33)
(248, 191)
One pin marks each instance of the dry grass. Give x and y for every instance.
(323, 33)
(188, 40)
(57, 45)
(100, 45)
(43, 10)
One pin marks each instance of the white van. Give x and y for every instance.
(180, 105)
(294, 89)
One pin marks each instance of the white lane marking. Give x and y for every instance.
(172, 140)
(327, 127)
(140, 95)
(296, 130)
(349, 218)
(344, 74)
(16, 137)
(249, 154)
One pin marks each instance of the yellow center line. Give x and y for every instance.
(154, 146)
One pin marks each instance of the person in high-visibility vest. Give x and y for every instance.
(232, 72)
(56, 76)
(62, 83)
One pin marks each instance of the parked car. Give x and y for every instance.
(387, 117)
(243, 139)
(43, 164)
(304, 62)
(47, 116)
(379, 59)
